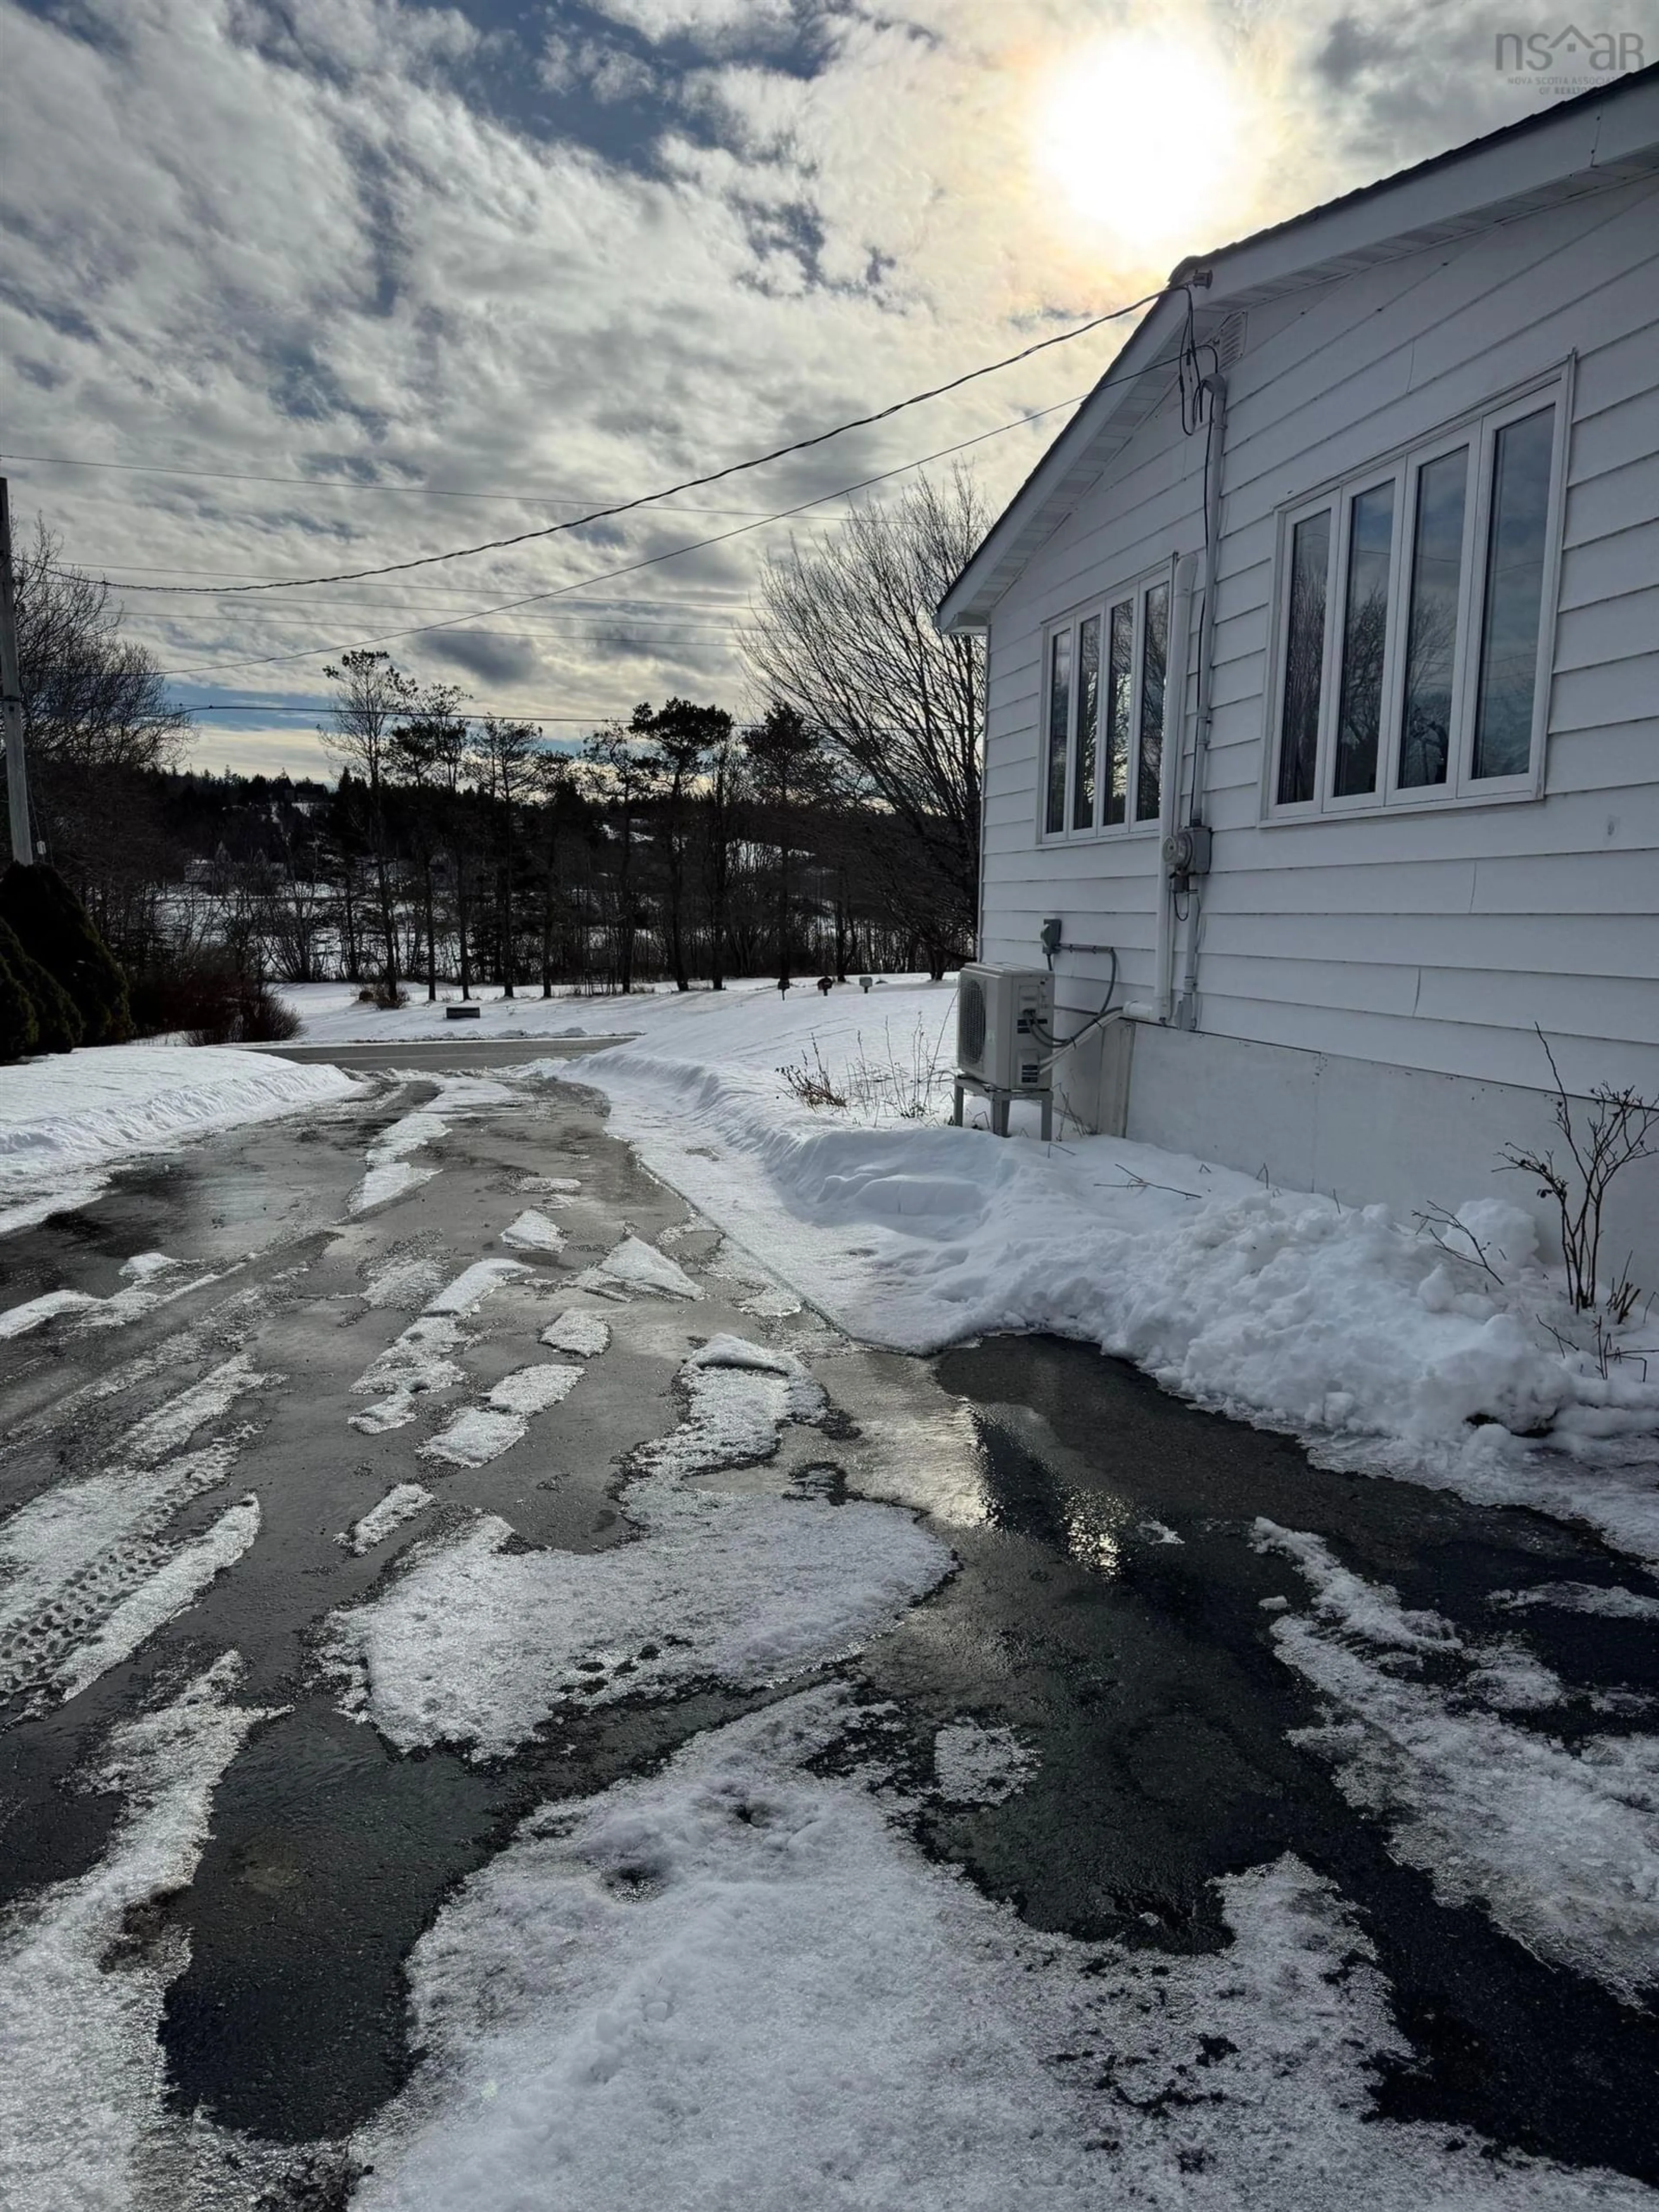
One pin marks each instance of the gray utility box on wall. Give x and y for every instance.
(1005, 1033)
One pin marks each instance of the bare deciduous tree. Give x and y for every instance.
(845, 637)
(96, 717)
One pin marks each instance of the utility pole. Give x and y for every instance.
(11, 698)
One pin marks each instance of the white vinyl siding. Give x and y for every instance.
(1421, 932)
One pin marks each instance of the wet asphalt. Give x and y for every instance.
(1142, 1671)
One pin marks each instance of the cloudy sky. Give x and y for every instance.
(321, 283)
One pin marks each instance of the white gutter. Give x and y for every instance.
(1175, 728)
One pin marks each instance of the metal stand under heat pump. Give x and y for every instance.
(1001, 1101)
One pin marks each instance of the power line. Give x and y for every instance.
(408, 594)
(556, 625)
(688, 483)
(631, 568)
(334, 483)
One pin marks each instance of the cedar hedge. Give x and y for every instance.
(54, 930)
(20, 1031)
(58, 1025)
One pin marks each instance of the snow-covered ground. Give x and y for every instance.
(66, 1120)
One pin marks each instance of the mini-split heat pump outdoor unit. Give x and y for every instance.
(1004, 1016)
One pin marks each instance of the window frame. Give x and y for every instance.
(1478, 430)
(1135, 590)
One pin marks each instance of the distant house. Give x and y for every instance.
(1378, 608)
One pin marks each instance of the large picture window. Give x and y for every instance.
(1414, 620)
(1104, 674)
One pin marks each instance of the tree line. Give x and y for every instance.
(835, 830)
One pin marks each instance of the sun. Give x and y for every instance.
(1142, 135)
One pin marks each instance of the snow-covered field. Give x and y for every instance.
(1376, 1342)
(65, 1121)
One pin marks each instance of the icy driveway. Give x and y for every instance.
(507, 1709)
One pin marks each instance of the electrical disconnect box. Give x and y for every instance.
(1004, 1028)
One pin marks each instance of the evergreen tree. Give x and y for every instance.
(19, 1031)
(54, 929)
(58, 1026)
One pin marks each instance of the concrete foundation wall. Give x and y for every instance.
(1360, 1129)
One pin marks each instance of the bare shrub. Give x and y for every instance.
(1455, 1238)
(229, 1012)
(266, 1019)
(905, 1082)
(1620, 1126)
(811, 1081)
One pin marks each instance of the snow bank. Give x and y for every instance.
(742, 1976)
(64, 1121)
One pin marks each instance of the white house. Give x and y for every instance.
(1382, 484)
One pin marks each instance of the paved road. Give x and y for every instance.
(1113, 1609)
(463, 1050)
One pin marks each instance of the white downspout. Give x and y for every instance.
(1216, 444)
(1174, 730)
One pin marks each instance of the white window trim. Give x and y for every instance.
(1100, 831)
(1478, 428)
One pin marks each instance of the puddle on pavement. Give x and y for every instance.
(207, 1204)
(1142, 1672)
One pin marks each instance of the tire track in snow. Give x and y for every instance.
(75, 1557)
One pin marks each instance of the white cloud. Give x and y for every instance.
(704, 20)
(294, 243)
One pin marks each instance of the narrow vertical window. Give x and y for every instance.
(1515, 596)
(1365, 633)
(1060, 721)
(1119, 705)
(1154, 659)
(1088, 718)
(1304, 659)
(1431, 630)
